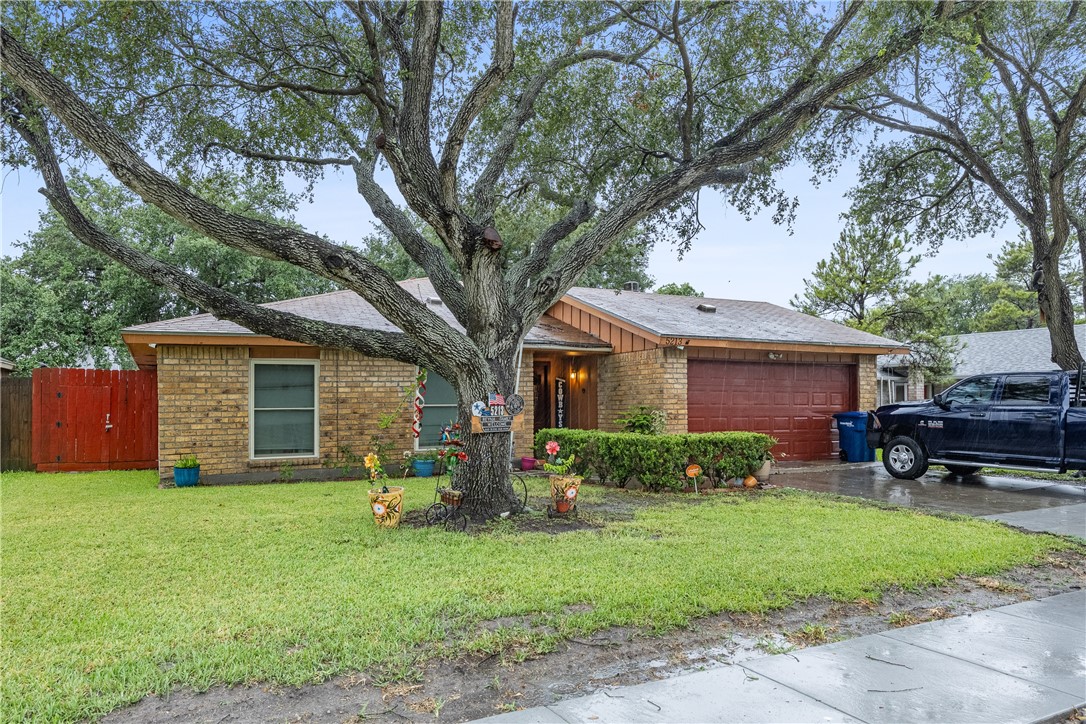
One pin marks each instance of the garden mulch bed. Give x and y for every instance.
(470, 687)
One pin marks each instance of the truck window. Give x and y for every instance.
(1027, 390)
(971, 392)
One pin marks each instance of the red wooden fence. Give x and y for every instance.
(95, 420)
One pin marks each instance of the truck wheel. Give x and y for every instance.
(962, 470)
(904, 458)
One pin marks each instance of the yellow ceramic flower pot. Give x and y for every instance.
(387, 507)
(565, 487)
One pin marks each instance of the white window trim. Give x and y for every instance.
(316, 365)
(456, 414)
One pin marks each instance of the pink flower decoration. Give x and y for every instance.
(552, 448)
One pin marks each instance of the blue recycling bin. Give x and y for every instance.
(852, 428)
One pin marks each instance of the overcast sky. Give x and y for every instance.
(732, 258)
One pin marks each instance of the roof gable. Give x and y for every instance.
(665, 315)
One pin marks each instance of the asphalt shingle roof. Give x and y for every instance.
(1019, 350)
(346, 307)
(674, 316)
(661, 314)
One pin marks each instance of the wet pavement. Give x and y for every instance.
(976, 495)
(1031, 653)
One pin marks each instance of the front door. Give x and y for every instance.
(541, 383)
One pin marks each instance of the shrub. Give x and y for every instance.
(659, 461)
(644, 419)
(186, 462)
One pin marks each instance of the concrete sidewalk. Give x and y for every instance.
(1020, 663)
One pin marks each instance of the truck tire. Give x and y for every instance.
(962, 470)
(904, 458)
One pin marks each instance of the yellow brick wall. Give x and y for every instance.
(655, 377)
(523, 437)
(203, 397)
(203, 407)
(355, 393)
(866, 383)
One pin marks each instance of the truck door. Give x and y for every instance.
(1025, 426)
(961, 429)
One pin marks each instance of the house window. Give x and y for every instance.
(283, 409)
(438, 411)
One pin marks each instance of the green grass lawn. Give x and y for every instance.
(114, 589)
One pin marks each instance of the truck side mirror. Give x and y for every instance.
(940, 400)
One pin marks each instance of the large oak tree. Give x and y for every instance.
(614, 113)
(983, 124)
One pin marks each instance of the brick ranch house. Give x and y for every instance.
(247, 404)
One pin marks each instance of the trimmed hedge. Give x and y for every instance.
(658, 461)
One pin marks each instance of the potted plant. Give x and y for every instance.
(422, 463)
(762, 473)
(527, 464)
(186, 471)
(564, 487)
(386, 501)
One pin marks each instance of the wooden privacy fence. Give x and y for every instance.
(94, 420)
(15, 423)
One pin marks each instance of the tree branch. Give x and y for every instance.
(262, 320)
(477, 98)
(484, 192)
(261, 238)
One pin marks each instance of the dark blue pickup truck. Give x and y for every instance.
(1029, 421)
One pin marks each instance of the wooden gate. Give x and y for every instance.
(95, 419)
(15, 423)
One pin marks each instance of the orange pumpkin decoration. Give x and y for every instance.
(750, 482)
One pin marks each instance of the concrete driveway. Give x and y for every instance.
(1032, 504)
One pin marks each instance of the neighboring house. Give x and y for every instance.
(248, 404)
(6, 366)
(1017, 350)
(898, 382)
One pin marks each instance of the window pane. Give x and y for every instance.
(282, 386)
(433, 419)
(283, 432)
(1026, 391)
(982, 389)
(438, 391)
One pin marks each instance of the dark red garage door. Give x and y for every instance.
(792, 402)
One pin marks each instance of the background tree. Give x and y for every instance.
(684, 289)
(613, 114)
(964, 299)
(65, 303)
(866, 284)
(985, 124)
(867, 271)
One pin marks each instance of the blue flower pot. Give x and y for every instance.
(423, 468)
(186, 477)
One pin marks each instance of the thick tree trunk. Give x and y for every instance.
(485, 475)
(1080, 232)
(1054, 300)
